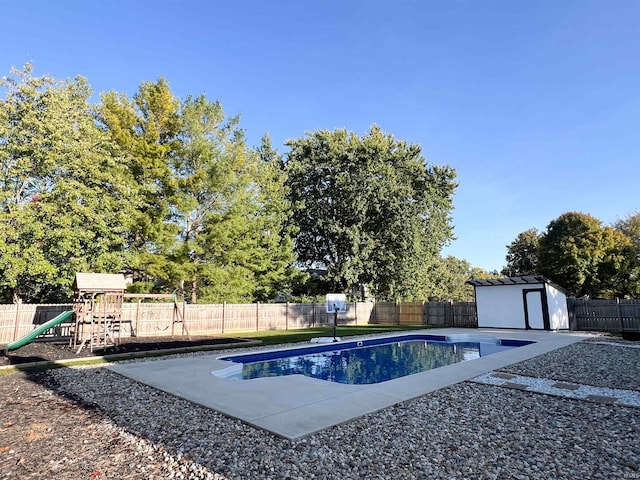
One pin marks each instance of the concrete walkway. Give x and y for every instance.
(296, 406)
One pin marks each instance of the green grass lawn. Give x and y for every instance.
(274, 337)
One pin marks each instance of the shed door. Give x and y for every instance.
(536, 313)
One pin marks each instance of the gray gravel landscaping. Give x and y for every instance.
(614, 364)
(466, 431)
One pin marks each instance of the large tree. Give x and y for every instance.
(630, 226)
(144, 131)
(522, 254)
(63, 200)
(230, 208)
(212, 171)
(279, 274)
(450, 277)
(369, 209)
(629, 277)
(209, 222)
(620, 270)
(587, 258)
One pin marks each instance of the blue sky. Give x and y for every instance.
(536, 104)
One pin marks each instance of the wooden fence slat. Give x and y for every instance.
(616, 316)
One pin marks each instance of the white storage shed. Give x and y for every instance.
(530, 302)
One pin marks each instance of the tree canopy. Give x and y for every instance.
(449, 279)
(522, 254)
(209, 222)
(628, 276)
(164, 189)
(168, 191)
(63, 200)
(588, 258)
(630, 226)
(368, 209)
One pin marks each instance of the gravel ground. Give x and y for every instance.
(601, 364)
(92, 423)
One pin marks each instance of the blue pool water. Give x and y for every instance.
(367, 361)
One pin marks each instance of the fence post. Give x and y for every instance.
(313, 316)
(138, 316)
(286, 316)
(571, 314)
(619, 312)
(184, 312)
(257, 316)
(16, 324)
(224, 307)
(425, 313)
(397, 311)
(452, 311)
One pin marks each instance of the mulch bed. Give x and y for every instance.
(40, 351)
(45, 433)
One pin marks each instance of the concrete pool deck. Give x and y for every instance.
(296, 406)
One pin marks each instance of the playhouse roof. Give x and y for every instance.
(99, 282)
(522, 280)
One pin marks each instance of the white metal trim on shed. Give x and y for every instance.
(529, 302)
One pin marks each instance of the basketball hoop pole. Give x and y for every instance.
(336, 302)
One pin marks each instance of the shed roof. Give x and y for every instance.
(522, 280)
(99, 282)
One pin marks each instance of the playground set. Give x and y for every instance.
(97, 313)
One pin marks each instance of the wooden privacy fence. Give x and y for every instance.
(604, 315)
(446, 314)
(157, 319)
(227, 317)
(451, 314)
(18, 319)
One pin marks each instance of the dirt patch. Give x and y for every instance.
(40, 351)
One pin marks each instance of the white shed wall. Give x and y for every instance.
(501, 306)
(558, 313)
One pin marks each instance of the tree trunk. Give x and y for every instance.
(194, 286)
(181, 287)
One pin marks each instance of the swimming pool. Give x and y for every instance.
(367, 361)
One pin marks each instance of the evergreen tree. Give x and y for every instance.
(522, 254)
(279, 274)
(215, 205)
(144, 131)
(210, 214)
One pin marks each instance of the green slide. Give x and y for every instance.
(31, 336)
